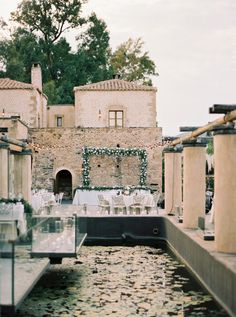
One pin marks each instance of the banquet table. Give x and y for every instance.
(90, 197)
(9, 213)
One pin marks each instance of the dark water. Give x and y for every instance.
(121, 282)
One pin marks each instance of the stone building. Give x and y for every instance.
(25, 100)
(113, 114)
(15, 158)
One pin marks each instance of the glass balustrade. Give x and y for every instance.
(25, 257)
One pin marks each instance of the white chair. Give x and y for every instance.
(156, 197)
(60, 196)
(57, 198)
(104, 205)
(149, 204)
(119, 204)
(137, 205)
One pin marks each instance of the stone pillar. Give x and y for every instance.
(194, 183)
(22, 175)
(225, 189)
(11, 174)
(173, 180)
(4, 149)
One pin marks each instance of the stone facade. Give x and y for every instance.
(61, 149)
(16, 128)
(65, 112)
(93, 103)
(25, 100)
(112, 113)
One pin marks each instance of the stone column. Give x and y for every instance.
(225, 189)
(194, 183)
(173, 180)
(23, 176)
(4, 166)
(11, 174)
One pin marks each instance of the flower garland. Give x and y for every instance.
(88, 151)
(104, 188)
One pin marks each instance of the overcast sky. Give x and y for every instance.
(193, 44)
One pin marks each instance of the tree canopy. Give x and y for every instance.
(39, 38)
(131, 63)
(50, 17)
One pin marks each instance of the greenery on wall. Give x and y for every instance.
(118, 152)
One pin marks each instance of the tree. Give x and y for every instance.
(19, 53)
(94, 49)
(131, 63)
(49, 19)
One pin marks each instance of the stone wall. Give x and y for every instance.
(61, 149)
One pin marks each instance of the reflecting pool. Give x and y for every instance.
(119, 281)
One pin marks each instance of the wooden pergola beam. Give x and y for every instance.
(4, 138)
(228, 117)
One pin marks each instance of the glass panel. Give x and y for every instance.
(119, 114)
(112, 114)
(112, 123)
(54, 235)
(26, 269)
(119, 122)
(6, 265)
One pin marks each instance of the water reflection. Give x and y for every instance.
(121, 282)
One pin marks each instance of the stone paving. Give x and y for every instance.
(118, 282)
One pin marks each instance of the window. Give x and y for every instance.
(115, 118)
(59, 121)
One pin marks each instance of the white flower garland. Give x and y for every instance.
(88, 151)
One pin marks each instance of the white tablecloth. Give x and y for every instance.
(12, 212)
(90, 197)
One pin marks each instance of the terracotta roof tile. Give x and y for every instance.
(7, 83)
(114, 85)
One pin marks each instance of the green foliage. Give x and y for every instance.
(210, 182)
(94, 49)
(49, 18)
(210, 147)
(50, 91)
(131, 63)
(19, 53)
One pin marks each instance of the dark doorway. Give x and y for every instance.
(63, 184)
